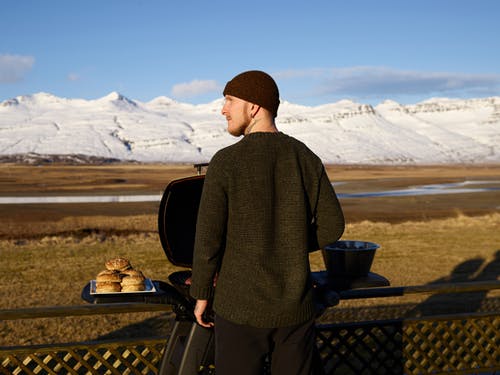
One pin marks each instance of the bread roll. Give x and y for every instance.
(118, 264)
(108, 275)
(132, 273)
(132, 280)
(134, 288)
(107, 287)
(119, 276)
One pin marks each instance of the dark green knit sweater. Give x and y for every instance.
(266, 203)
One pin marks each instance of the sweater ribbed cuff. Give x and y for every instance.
(201, 292)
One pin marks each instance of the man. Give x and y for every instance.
(266, 203)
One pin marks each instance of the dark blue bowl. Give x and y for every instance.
(349, 258)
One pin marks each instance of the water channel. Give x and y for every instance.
(450, 188)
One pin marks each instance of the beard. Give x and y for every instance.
(237, 128)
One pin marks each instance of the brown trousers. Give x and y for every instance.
(246, 350)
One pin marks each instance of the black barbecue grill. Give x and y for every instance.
(190, 347)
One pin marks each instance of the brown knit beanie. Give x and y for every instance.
(255, 87)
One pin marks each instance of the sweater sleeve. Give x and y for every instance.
(210, 233)
(329, 218)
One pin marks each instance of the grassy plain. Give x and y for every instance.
(50, 251)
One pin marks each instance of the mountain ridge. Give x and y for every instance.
(114, 127)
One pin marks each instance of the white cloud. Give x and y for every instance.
(371, 81)
(301, 73)
(14, 67)
(194, 88)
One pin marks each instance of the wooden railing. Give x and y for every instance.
(81, 310)
(452, 344)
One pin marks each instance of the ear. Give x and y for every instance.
(254, 109)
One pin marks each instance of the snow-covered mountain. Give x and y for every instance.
(435, 131)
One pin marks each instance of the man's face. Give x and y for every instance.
(237, 113)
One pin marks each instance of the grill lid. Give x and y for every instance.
(177, 219)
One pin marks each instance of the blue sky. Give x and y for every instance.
(319, 51)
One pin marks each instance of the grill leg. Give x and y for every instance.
(189, 348)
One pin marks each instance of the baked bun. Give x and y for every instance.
(107, 287)
(134, 288)
(108, 275)
(133, 282)
(119, 276)
(132, 273)
(118, 264)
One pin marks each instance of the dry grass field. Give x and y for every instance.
(50, 251)
(35, 220)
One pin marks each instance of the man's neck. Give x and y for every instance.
(261, 125)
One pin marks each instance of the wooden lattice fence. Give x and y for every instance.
(438, 345)
(112, 357)
(435, 345)
(452, 344)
